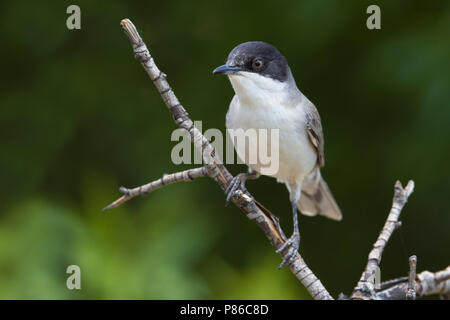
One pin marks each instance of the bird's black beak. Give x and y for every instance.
(226, 69)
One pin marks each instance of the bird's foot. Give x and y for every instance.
(293, 243)
(238, 182)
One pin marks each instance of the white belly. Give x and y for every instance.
(297, 158)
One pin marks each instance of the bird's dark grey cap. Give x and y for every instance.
(274, 66)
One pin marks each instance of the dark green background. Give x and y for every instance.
(79, 118)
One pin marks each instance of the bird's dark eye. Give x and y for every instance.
(257, 64)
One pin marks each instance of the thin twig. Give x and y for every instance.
(411, 292)
(216, 170)
(365, 288)
(187, 175)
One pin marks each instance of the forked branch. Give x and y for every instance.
(365, 288)
(214, 168)
(425, 282)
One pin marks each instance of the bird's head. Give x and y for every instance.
(256, 67)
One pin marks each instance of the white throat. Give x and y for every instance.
(253, 89)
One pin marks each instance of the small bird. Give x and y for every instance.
(267, 97)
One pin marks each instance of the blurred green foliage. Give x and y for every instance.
(79, 117)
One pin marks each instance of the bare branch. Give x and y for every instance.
(365, 288)
(411, 292)
(216, 170)
(433, 283)
(187, 175)
(407, 287)
(426, 283)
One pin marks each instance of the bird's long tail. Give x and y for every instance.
(316, 198)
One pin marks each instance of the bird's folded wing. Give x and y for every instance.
(314, 130)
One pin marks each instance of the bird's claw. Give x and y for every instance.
(238, 182)
(293, 243)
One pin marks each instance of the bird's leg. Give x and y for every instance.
(238, 182)
(293, 242)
